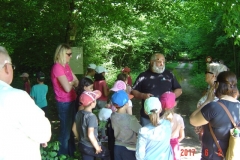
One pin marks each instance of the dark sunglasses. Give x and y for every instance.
(208, 72)
(69, 54)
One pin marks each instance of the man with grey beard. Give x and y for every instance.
(154, 82)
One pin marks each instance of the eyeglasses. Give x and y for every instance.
(13, 66)
(69, 54)
(208, 72)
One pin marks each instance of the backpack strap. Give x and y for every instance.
(228, 113)
(219, 153)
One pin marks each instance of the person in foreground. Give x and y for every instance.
(154, 82)
(23, 124)
(213, 113)
(154, 139)
(85, 128)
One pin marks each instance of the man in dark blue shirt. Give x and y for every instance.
(154, 82)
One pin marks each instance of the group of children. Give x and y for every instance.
(157, 140)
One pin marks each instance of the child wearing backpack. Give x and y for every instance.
(85, 128)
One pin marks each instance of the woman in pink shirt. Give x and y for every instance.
(64, 82)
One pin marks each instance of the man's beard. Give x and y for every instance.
(158, 69)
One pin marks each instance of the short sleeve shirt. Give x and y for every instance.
(60, 94)
(39, 93)
(85, 120)
(98, 85)
(221, 125)
(156, 84)
(177, 124)
(125, 128)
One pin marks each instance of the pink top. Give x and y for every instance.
(129, 80)
(98, 85)
(60, 94)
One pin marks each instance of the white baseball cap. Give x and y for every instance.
(152, 104)
(92, 66)
(100, 69)
(25, 75)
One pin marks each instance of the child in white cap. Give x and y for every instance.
(91, 71)
(153, 138)
(85, 128)
(168, 103)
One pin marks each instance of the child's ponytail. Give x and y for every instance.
(154, 117)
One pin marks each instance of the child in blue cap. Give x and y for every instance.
(125, 128)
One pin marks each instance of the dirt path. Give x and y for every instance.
(187, 104)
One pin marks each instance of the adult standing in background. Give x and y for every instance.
(211, 73)
(23, 124)
(154, 82)
(64, 82)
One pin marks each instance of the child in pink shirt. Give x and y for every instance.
(168, 103)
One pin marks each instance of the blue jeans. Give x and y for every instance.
(144, 121)
(66, 114)
(122, 153)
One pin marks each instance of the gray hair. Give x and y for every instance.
(216, 68)
(4, 56)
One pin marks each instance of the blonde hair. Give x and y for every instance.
(154, 118)
(168, 114)
(216, 68)
(60, 53)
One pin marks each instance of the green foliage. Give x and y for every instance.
(50, 152)
(171, 65)
(198, 81)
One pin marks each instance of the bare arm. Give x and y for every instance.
(178, 92)
(140, 95)
(67, 86)
(181, 135)
(75, 81)
(196, 118)
(74, 129)
(105, 91)
(93, 140)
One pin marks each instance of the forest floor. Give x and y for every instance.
(190, 147)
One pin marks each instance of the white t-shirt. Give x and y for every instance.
(177, 124)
